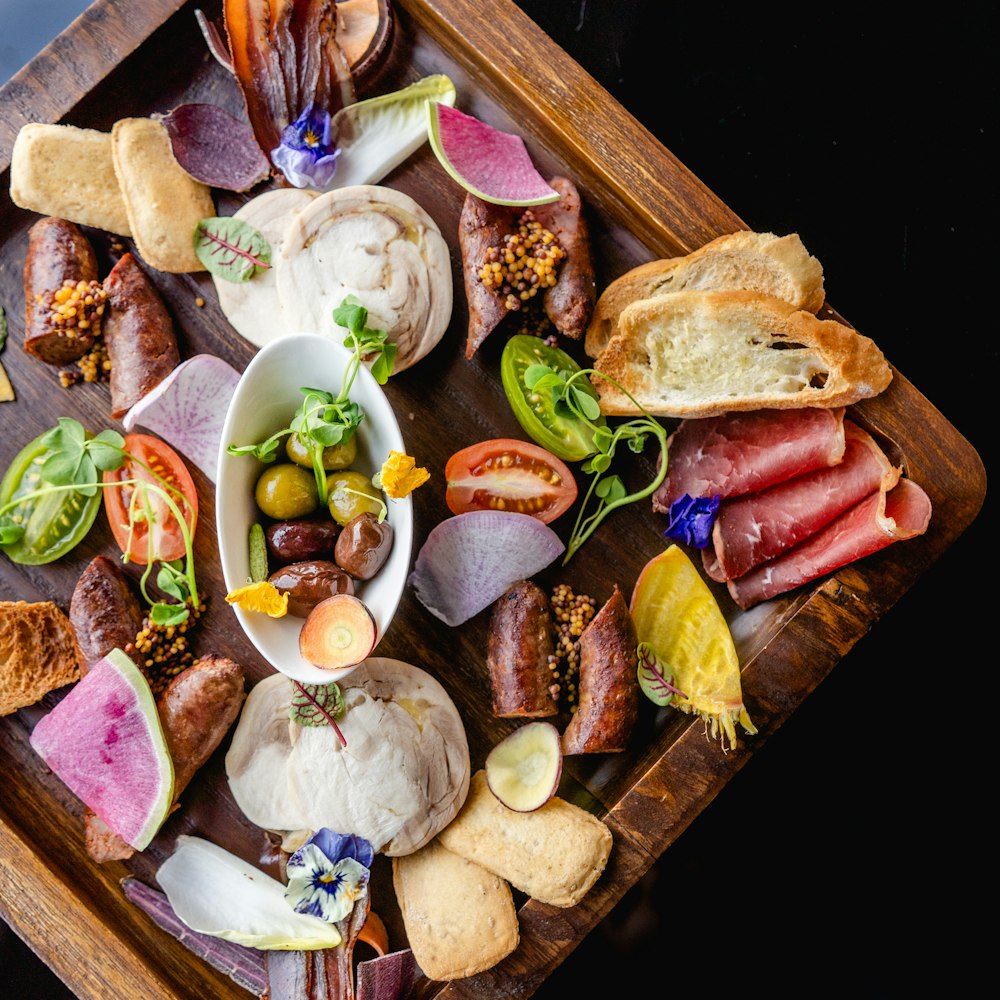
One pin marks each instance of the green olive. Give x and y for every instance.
(345, 503)
(336, 456)
(285, 491)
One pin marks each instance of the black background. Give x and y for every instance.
(853, 851)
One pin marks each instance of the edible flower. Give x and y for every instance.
(399, 475)
(692, 520)
(263, 596)
(305, 155)
(328, 874)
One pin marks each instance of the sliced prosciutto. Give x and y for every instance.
(740, 453)
(750, 530)
(877, 521)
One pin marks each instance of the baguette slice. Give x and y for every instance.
(701, 354)
(761, 262)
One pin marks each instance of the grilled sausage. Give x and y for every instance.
(139, 332)
(570, 302)
(104, 611)
(609, 689)
(196, 711)
(57, 252)
(482, 225)
(520, 642)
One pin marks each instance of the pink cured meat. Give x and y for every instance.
(877, 521)
(752, 529)
(740, 453)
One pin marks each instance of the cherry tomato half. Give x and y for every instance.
(155, 533)
(566, 437)
(507, 474)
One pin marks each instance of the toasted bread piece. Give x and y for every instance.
(761, 262)
(67, 173)
(164, 202)
(38, 653)
(459, 917)
(701, 354)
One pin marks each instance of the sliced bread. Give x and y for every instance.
(701, 354)
(761, 262)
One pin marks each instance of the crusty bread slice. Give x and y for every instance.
(38, 653)
(700, 354)
(761, 262)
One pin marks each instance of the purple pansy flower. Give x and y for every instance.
(306, 156)
(692, 520)
(328, 874)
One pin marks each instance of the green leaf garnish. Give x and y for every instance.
(316, 704)
(231, 249)
(168, 614)
(655, 677)
(10, 530)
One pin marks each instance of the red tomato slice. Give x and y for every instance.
(155, 532)
(507, 474)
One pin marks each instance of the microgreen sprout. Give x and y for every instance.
(324, 420)
(606, 492)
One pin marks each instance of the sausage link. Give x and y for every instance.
(520, 642)
(609, 689)
(482, 225)
(104, 611)
(142, 343)
(57, 252)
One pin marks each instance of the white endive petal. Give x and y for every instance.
(215, 892)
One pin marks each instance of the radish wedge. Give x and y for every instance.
(188, 408)
(524, 768)
(338, 633)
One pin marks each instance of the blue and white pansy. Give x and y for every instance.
(306, 156)
(328, 874)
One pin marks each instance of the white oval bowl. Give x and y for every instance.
(266, 398)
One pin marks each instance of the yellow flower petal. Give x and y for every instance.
(399, 475)
(263, 596)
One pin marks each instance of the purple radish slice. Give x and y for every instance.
(188, 409)
(493, 165)
(470, 559)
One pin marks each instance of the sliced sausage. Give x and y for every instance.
(139, 332)
(104, 611)
(482, 225)
(57, 252)
(521, 639)
(609, 689)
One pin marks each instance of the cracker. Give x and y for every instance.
(164, 202)
(459, 917)
(554, 854)
(68, 173)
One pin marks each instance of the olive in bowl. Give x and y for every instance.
(286, 490)
(302, 539)
(363, 546)
(309, 582)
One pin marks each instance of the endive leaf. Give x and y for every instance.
(217, 893)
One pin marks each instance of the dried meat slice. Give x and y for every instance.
(753, 529)
(739, 453)
(877, 521)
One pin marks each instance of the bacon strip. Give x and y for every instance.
(739, 453)
(752, 529)
(877, 521)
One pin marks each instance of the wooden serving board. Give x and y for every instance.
(140, 58)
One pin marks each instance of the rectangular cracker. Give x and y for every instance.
(554, 854)
(163, 201)
(459, 917)
(68, 173)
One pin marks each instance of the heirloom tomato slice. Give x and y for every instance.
(141, 520)
(564, 434)
(507, 474)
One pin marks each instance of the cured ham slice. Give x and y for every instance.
(750, 530)
(739, 453)
(876, 522)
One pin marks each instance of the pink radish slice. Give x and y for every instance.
(470, 559)
(188, 408)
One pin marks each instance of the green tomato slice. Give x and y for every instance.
(568, 437)
(53, 524)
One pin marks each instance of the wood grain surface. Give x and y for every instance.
(642, 204)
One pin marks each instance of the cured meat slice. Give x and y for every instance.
(739, 453)
(752, 529)
(877, 521)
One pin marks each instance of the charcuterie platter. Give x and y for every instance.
(449, 395)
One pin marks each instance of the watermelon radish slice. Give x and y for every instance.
(105, 742)
(492, 165)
